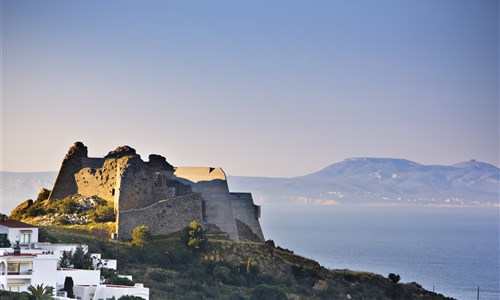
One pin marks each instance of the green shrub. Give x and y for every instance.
(6, 295)
(68, 206)
(268, 292)
(129, 297)
(103, 213)
(195, 235)
(61, 220)
(157, 276)
(141, 235)
(109, 276)
(236, 296)
(222, 274)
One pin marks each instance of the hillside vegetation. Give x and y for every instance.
(223, 269)
(194, 264)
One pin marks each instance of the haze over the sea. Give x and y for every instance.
(280, 88)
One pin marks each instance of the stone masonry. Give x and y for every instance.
(156, 194)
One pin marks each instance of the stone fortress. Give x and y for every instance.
(158, 195)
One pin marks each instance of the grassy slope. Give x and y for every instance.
(228, 270)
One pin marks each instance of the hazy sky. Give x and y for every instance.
(274, 88)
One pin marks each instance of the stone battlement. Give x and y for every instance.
(156, 194)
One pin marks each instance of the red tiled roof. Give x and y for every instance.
(15, 224)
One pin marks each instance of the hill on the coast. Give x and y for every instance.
(223, 269)
(381, 181)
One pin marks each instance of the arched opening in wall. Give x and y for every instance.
(112, 192)
(2, 270)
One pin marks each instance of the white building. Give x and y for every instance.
(15, 231)
(32, 263)
(107, 291)
(20, 269)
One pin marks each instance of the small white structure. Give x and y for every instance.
(98, 262)
(58, 249)
(15, 230)
(95, 292)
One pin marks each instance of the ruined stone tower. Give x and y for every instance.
(156, 194)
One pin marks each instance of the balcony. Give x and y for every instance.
(26, 272)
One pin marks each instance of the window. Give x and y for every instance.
(13, 268)
(25, 238)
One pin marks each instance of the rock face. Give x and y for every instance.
(65, 184)
(121, 152)
(22, 207)
(156, 194)
(158, 163)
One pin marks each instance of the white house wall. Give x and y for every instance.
(80, 277)
(44, 271)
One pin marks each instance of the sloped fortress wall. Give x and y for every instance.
(248, 213)
(211, 183)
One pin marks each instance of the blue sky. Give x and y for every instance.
(274, 88)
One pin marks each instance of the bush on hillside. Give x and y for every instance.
(129, 297)
(195, 236)
(109, 276)
(269, 292)
(141, 235)
(103, 213)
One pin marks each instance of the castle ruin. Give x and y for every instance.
(158, 195)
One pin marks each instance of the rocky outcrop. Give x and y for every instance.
(77, 150)
(159, 163)
(65, 182)
(121, 152)
(21, 208)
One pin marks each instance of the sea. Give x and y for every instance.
(451, 250)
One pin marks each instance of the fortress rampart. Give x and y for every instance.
(163, 217)
(156, 194)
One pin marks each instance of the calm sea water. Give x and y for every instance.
(453, 250)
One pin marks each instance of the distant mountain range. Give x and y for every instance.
(357, 181)
(381, 181)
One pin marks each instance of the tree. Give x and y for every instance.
(68, 286)
(40, 292)
(394, 278)
(4, 241)
(65, 261)
(82, 260)
(140, 235)
(196, 238)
